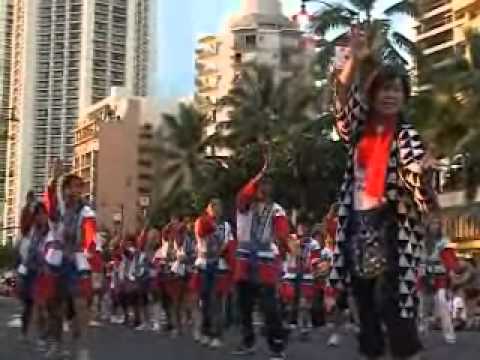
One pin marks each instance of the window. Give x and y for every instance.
(146, 136)
(238, 58)
(145, 163)
(250, 41)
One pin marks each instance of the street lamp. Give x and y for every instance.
(118, 220)
(144, 202)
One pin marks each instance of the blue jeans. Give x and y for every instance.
(211, 303)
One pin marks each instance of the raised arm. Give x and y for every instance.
(247, 194)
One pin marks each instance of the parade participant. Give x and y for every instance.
(143, 280)
(149, 241)
(379, 237)
(322, 269)
(183, 258)
(215, 245)
(30, 270)
(26, 217)
(261, 224)
(162, 263)
(298, 290)
(440, 262)
(132, 272)
(97, 266)
(155, 272)
(73, 223)
(113, 281)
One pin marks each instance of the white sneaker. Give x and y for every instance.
(94, 323)
(156, 326)
(450, 339)
(216, 344)
(117, 320)
(334, 340)
(142, 327)
(204, 340)
(66, 327)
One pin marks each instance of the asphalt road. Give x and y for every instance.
(119, 343)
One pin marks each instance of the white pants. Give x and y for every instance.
(442, 309)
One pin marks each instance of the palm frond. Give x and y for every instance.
(393, 56)
(404, 43)
(404, 7)
(332, 18)
(363, 5)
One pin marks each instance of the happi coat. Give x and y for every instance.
(404, 190)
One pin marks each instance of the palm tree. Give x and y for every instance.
(181, 149)
(267, 107)
(384, 42)
(306, 165)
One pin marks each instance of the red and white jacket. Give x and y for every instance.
(215, 244)
(259, 234)
(439, 263)
(86, 231)
(303, 263)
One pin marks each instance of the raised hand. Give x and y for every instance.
(359, 48)
(57, 168)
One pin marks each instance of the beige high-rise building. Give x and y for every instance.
(441, 34)
(259, 33)
(67, 54)
(6, 113)
(113, 155)
(441, 28)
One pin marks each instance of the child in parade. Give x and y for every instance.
(183, 258)
(298, 289)
(31, 273)
(441, 261)
(212, 280)
(74, 227)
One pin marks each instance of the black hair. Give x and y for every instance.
(38, 207)
(69, 180)
(387, 74)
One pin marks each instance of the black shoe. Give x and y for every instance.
(244, 350)
(278, 356)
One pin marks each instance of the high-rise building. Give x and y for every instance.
(113, 155)
(441, 31)
(441, 28)
(67, 54)
(260, 33)
(6, 113)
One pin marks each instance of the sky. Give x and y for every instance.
(177, 24)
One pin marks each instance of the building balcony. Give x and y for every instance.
(446, 26)
(202, 54)
(440, 47)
